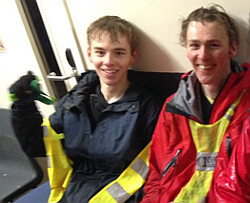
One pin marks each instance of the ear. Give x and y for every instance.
(233, 49)
(134, 56)
(89, 54)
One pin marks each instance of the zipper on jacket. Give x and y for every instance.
(172, 162)
(229, 146)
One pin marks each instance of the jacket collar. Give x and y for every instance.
(186, 100)
(89, 86)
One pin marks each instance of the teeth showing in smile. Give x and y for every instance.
(110, 71)
(205, 67)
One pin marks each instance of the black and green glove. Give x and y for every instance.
(26, 89)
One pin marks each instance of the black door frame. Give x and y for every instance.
(42, 40)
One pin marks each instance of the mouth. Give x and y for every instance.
(109, 71)
(205, 67)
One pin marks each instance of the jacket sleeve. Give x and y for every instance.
(26, 121)
(152, 186)
(233, 184)
(56, 119)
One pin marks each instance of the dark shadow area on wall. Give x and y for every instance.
(243, 54)
(152, 56)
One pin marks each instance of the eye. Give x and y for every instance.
(214, 45)
(193, 46)
(120, 53)
(99, 53)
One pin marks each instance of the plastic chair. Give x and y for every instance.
(18, 172)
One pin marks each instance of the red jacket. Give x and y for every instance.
(231, 179)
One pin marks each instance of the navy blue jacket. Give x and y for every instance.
(100, 152)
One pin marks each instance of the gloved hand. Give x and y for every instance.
(25, 90)
(22, 91)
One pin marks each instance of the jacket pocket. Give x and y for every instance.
(172, 163)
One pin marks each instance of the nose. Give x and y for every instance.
(108, 59)
(203, 53)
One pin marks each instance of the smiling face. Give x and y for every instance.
(208, 49)
(111, 59)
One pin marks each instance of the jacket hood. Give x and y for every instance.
(187, 99)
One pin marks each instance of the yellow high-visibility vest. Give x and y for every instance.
(207, 139)
(59, 167)
(60, 171)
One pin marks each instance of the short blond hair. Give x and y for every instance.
(115, 26)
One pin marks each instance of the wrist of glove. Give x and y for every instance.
(26, 89)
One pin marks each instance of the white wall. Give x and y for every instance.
(159, 24)
(157, 21)
(19, 57)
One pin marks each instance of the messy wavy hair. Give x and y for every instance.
(213, 13)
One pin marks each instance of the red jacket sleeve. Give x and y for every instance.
(152, 186)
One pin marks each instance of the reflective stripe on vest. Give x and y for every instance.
(60, 171)
(59, 167)
(131, 180)
(207, 139)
